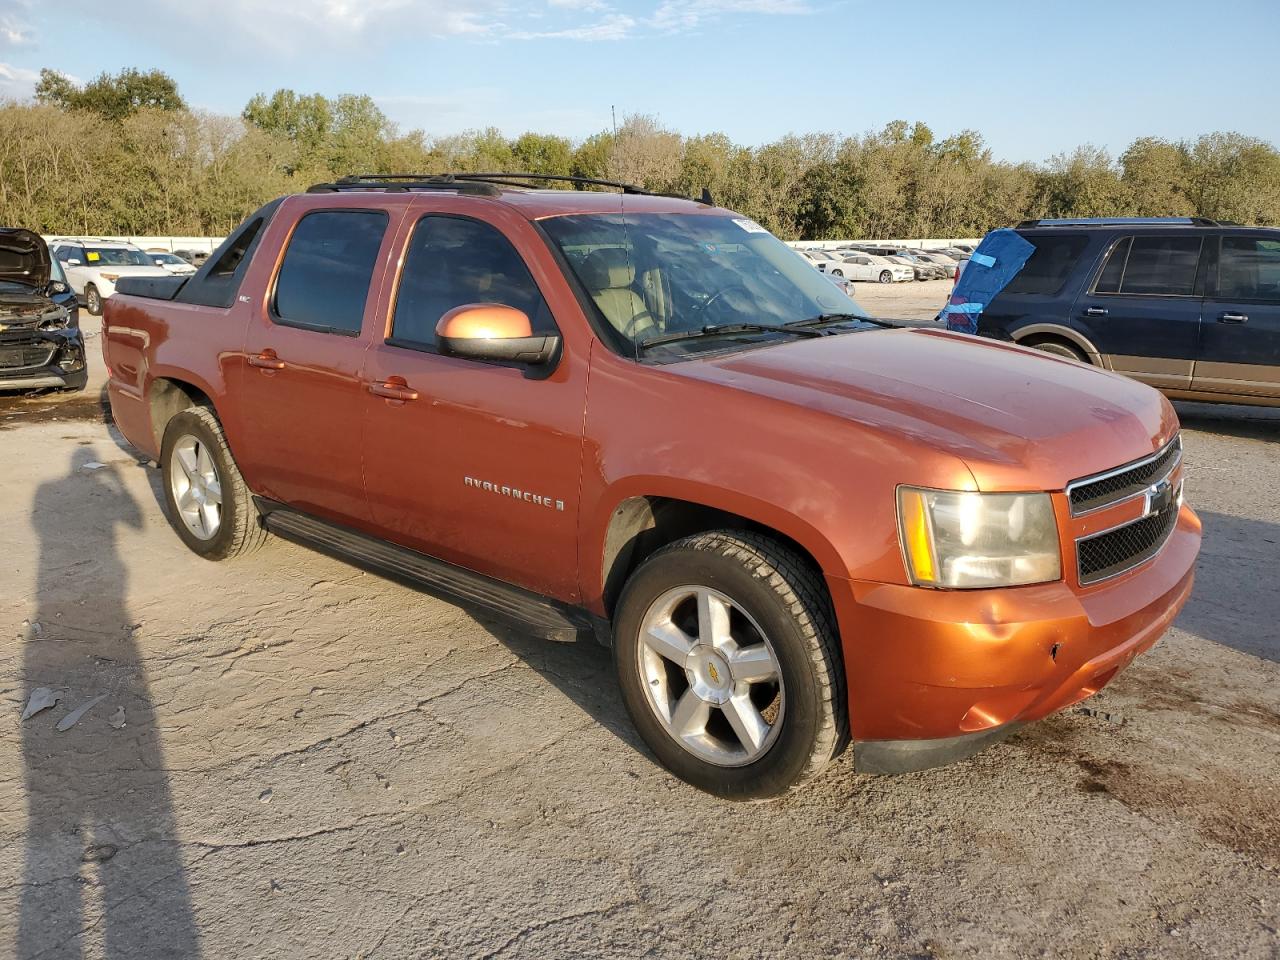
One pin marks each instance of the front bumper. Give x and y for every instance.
(937, 665)
(32, 360)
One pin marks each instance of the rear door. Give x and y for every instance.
(1143, 308)
(1240, 340)
(300, 393)
(480, 464)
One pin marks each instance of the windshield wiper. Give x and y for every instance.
(824, 318)
(727, 329)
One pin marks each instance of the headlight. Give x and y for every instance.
(113, 277)
(966, 540)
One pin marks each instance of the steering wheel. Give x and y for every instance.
(715, 297)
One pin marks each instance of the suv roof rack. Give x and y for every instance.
(1128, 222)
(485, 184)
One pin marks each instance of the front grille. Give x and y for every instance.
(26, 356)
(1107, 554)
(1103, 490)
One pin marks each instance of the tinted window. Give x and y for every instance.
(1050, 263)
(452, 262)
(1249, 269)
(1162, 266)
(324, 279)
(1113, 272)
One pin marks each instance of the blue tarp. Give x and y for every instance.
(997, 260)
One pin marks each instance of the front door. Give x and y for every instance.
(476, 463)
(1240, 344)
(1143, 312)
(299, 391)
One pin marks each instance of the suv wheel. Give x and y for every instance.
(1060, 349)
(837, 273)
(93, 300)
(210, 507)
(727, 656)
(886, 277)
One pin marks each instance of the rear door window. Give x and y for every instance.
(324, 279)
(454, 261)
(1249, 269)
(1154, 266)
(1047, 269)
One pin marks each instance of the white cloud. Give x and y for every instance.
(17, 83)
(672, 15)
(15, 25)
(615, 26)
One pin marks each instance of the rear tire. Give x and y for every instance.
(209, 505)
(886, 277)
(1060, 348)
(93, 300)
(837, 273)
(757, 709)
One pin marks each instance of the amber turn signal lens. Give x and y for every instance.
(917, 540)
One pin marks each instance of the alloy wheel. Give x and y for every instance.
(710, 675)
(196, 487)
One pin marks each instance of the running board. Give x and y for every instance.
(529, 611)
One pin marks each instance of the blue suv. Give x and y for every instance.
(1188, 305)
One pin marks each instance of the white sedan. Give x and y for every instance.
(174, 264)
(867, 266)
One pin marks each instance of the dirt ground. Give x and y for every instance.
(286, 757)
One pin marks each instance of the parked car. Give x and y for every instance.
(843, 284)
(820, 258)
(948, 264)
(93, 266)
(654, 422)
(1190, 306)
(866, 266)
(956, 254)
(923, 269)
(172, 263)
(40, 341)
(194, 257)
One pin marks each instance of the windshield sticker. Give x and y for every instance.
(750, 226)
(93, 255)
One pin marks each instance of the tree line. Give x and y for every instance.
(124, 154)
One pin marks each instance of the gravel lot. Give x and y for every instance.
(292, 758)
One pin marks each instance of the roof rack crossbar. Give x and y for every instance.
(476, 182)
(1125, 222)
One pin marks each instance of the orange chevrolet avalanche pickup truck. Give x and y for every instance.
(648, 419)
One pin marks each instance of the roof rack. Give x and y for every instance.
(1128, 222)
(485, 184)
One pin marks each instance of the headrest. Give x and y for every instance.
(608, 269)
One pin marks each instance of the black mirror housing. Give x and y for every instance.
(534, 351)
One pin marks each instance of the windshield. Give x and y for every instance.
(116, 257)
(657, 274)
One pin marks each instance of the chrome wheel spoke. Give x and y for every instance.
(187, 459)
(196, 487)
(690, 716)
(713, 619)
(754, 664)
(746, 721)
(213, 491)
(667, 640)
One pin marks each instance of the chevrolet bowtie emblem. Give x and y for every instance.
(1158, 496)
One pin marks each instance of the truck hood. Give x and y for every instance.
(1019, 419)
(24, 258)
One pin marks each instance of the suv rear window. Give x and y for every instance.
(1152, 266)
(324, 279)
(1047, 269)
(1249, 269)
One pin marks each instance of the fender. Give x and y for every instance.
(594, 527)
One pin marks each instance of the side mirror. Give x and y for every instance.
(492, 331)
(73, 262)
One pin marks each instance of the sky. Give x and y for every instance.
(1034, 77)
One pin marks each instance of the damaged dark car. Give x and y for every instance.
(41, 346)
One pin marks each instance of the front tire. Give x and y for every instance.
(93, 300)
(886, 277)
(728, 660)
(209, 505)
(837, 273)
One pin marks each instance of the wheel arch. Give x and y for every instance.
(1044, 331)
(168, 396)
(642, 523)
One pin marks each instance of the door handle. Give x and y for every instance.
(1097, 312)
(1233, 318)
(267, 360)
(394, 389)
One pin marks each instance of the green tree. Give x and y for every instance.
(114, 97)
